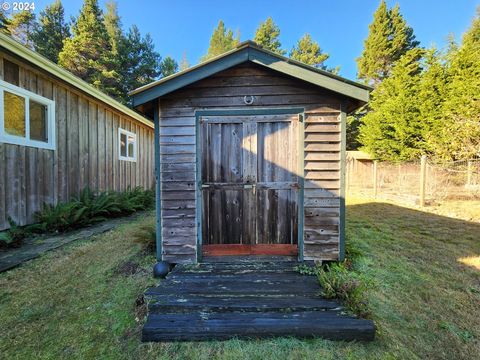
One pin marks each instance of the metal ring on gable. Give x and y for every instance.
(248, 99)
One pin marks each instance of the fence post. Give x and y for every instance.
(423, 179)
(375, 179)
(469, 172)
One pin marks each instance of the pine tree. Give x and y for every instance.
(222, 40)
(389, 37)
(462, 105)
(393, 129)
(353, 130)
(87, 53)
(308, 52)
(51, 31)
(184, 64)
(402, 38)
(4, 22)
(140, 61)
(168, 66)
(432, 94)
(21, 27)
(114, 26)
(267, 36)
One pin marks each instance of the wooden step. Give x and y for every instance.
(162, 304)
(221, 287)
(219, 267)
(222, 326)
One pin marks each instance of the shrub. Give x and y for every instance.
(343, 280)
(14, 236)
(89, 208)
(337, 282)
(60, 217)
(146, 236)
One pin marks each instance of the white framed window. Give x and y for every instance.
(127, 145)
(26, 118)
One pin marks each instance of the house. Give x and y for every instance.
(251, 157)
(59, 135)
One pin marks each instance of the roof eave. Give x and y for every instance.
(64, 75)
(248, 52)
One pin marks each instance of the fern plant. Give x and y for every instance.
(14, 236)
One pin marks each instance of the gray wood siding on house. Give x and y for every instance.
(226, 90)
(86, 152)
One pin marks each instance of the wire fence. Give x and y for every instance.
(422, 182)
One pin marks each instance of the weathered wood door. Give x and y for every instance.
(250, 184)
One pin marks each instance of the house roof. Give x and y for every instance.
(250, 51)
(36, 59)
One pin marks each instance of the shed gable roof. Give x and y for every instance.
(249, 51)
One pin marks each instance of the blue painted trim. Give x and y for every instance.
(301, 195)
(198, 173)
(343, 158)
(158, 200)
(256, 111)
(198, 190)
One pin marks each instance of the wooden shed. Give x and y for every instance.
(59, 135)
(250, 152)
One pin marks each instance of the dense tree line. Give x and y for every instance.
(306, 50)
(93, 46)
(425, 101)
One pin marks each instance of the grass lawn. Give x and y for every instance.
(79, 301)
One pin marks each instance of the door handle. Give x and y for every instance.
(250, 186)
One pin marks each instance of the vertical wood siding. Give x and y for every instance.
(226, 90)
(86, 152)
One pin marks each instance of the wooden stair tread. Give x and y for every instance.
(245, 300)
(221, 326)
(183, 304)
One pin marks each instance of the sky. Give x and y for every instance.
(340, 27)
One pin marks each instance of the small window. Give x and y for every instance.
(14, 110)
(26, 118)
(10, 72)
(127, 145)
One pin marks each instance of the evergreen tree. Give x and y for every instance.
(462, 105)
(308, 52)
(21, 27)
(168, 66)
(114, 26)
(51, 31)
(267, 36)
(222, 40)
(353, 130)
(4, 22)
(432, 93)
(393, 129)
(389, 37)
(184, 64)
(87, 53)
(140, 62)
(402, 38)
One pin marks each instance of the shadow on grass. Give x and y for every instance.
(429, 234)
(426, 294)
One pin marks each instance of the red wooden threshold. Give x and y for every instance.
(243, 249)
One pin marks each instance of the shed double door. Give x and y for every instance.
(250, 184)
